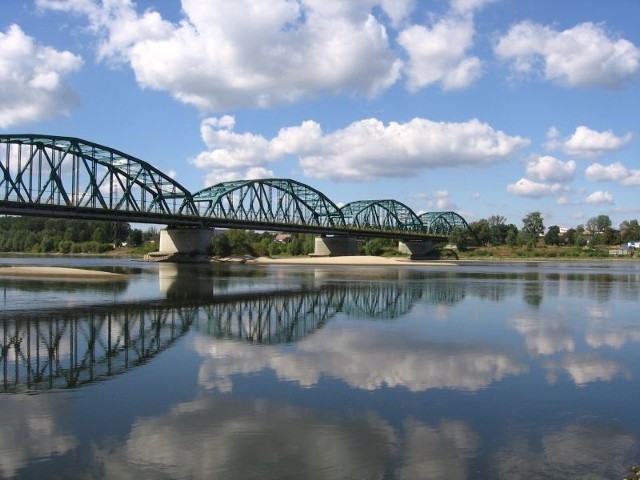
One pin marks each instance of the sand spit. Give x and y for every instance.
(363, 260)
(61, 273)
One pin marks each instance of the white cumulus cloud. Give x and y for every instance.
(32, 85)
(615, 172)
(599, 197)
(221, 54)
(549, 169)
(528, 188)
(224, 54)
(438, 54)
(364, 150)
(585, 55)
(586, 142)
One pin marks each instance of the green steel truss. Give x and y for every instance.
(277, 201)
(42, 174)
(69, 177)
(442, 223)
(388, 215)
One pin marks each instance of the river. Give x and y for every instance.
(474, 371)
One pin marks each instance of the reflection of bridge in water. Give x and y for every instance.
(71, 348)
(68, 348)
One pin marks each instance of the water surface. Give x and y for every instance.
(505, 371)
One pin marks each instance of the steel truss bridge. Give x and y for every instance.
(58, 348)
(58, 176)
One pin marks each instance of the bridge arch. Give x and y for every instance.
(49, 174)
(443, 223)
(381, 215)
(275, 201)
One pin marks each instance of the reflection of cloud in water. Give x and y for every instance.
(232, 439)
(544, 335)
(259, 439)
(602, 331)
(436, 453)
(578, 452)
(363, 359)
(585, 368)
(28, 434)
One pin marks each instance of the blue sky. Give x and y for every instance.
(484, 107)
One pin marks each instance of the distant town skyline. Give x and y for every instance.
(483, 107)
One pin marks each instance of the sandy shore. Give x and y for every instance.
(60, 273)
(363, 260)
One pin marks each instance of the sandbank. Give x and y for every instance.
(60, 273)
(364, 260)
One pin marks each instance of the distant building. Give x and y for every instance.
(283, 237)
(626, 249)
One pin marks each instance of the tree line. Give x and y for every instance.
(245, 242)
(52, 235)
(57, 235)
(494, 231)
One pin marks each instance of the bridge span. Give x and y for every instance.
(57, 176)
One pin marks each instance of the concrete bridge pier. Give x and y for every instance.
(416, 248)
(335, 246)
(185, 241)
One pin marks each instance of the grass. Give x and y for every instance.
(541, 252)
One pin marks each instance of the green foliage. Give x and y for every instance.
(134, 238)
(533, 227)
(512, 237)
(57, 235)
(598, 224)
(461, 238)
(629, 231)
(243, 242)
(552, 237)
(492, 231)
(220, 246)
(379, 246)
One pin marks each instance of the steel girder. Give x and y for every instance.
(381, 215)
(43, 172)
(442, 223)
(277, 201)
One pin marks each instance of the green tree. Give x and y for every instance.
(48, 244)
(629, 231)
(374, 246)
(569, 237)
(460, 237)
(533, 227)
(498, 229)
(220, 245)
(482, 230)
(261, 246)
(598, 224)
(151, 234)
(100, 235)
(135, 237)
(512, 237)
(580, 238)
(295, 246)
(552, 237)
